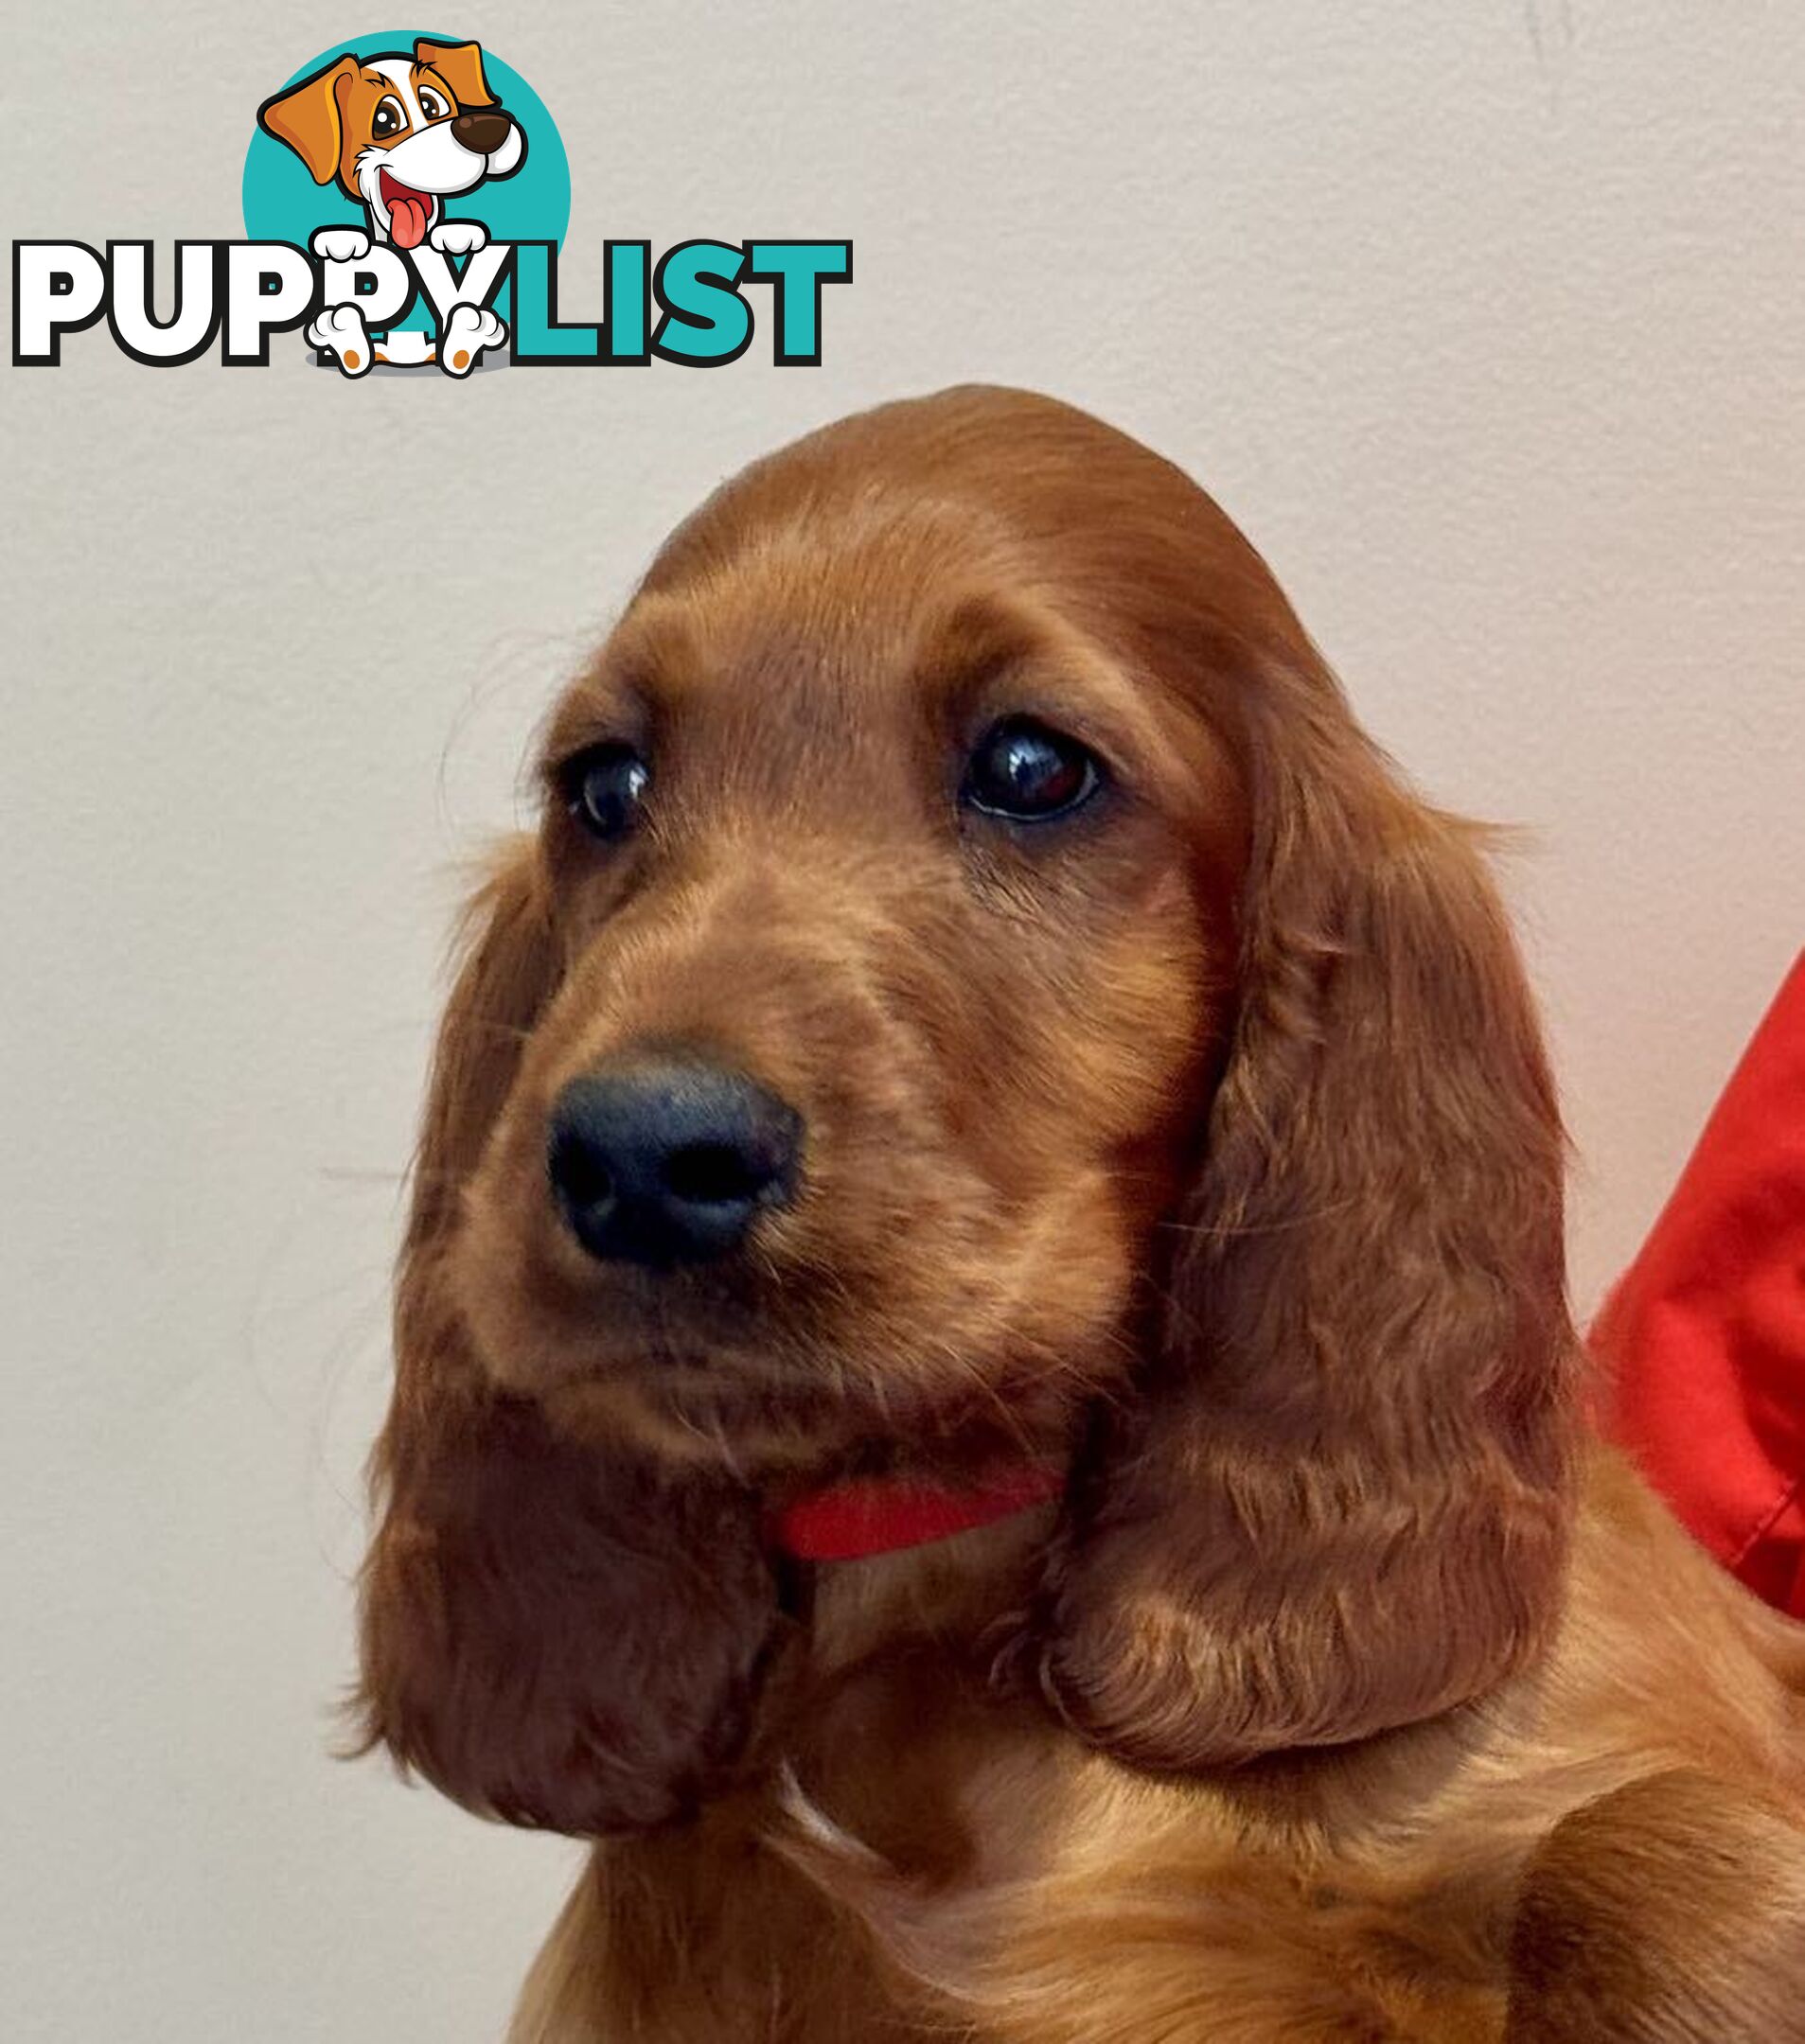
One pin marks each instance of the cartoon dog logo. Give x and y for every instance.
(402, 134)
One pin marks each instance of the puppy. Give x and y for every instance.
(984, 1398)
(402, 134)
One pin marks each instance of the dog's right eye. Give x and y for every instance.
(603, 788)
(1026, 772)
(388, 120)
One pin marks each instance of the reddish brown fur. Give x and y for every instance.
(1204, 1142)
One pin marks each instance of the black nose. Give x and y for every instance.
(484, 133)
(669, 1163)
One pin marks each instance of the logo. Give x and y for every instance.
(405, 201)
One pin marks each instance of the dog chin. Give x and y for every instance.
(685, 1420)
(621, 1389)
(804, 1420)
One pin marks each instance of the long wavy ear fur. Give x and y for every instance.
(550, 1634)
(1341, 1501)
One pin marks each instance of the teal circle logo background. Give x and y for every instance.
(283, 203)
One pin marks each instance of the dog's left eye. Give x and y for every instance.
(1027, 772)
(432, 105)
(603, 788)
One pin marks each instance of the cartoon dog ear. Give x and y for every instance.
(306, 117)
(460, 64)
(1340, 1501)
(553, 1634)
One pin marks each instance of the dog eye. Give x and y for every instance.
(432, 105)
(388, 120)
(1029, 773)
(603, 788)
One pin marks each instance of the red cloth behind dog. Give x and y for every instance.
(1704, 1333)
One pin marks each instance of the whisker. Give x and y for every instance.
(1242, 1231)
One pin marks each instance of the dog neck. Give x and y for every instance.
(958, 1591)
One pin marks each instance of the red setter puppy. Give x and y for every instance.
(979, 1024)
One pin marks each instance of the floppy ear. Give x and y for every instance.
(460, 64)
(552, 1635)
(1340, 1502)
(307, 118)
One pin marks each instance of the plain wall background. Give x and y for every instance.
(1486, 321)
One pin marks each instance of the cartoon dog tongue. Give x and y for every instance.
(409, 214)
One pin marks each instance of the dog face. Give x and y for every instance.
(975, 988)
(863, 820)
(399, 133)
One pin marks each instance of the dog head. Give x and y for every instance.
(400, 133)
(974, 990)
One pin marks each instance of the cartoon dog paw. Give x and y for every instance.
(341, 245)
(341, 329)
(467, 332)
(458, 236)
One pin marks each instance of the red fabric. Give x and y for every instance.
(878, 1516)
(1704, 1333)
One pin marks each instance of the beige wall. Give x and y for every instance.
(1486, 320)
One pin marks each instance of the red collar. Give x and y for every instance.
(873, 1515)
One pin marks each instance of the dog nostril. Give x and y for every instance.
(717, 1172)
(580, 1172)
